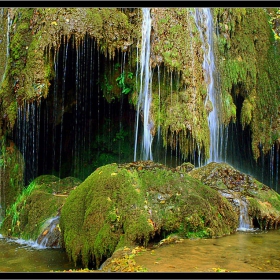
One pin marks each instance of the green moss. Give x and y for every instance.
(179, 89)
(121, 205)
(11, 173)
(35, 31)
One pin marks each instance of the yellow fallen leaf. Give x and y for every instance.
(162, 201)
(126, 249)
(100, 172)
(54, 23)
(114, 174)
(109, 199)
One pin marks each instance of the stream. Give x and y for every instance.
(24, 256)
(256, 251)
(251, 251)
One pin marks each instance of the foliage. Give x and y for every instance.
(122, 84)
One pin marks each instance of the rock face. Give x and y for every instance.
(256, 204)
(135, 203)
(51, 236)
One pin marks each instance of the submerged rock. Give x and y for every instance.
(136, 203)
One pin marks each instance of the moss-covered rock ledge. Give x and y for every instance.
(125, 205)
(262, 203)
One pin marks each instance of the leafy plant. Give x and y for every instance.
(122, 84)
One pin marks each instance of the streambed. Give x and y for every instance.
(240, 252)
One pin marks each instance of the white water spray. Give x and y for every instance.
(145, 97)
(204, 23)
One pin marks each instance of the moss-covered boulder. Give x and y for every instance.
(262, 202)
(29, 216)
(125, 205)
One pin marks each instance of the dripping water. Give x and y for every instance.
(27, 137)
(144, 101)
(62, 104)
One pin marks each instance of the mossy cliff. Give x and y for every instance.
(34, 31)
(179, 88)
(247, 59)
(134, 203)
(248, 64)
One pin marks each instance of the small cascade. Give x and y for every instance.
(244, 219)
(50, 238)
(204, 23)
(145, 96)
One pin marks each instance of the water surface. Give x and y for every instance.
(240, 252)
(23, 256)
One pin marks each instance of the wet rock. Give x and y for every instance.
(51, 235)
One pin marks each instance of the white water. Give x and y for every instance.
(52, 223)
(26, 243)
(244, 219)
(204, 23)
(145, 96)
(31, 243)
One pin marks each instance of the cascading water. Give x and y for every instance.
(204, 23)
(244, 219)
(145, 96)
(51, 235)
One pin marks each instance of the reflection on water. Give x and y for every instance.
(240, 252)
(26, 256)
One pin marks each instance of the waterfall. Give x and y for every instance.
(244, 219)
(145, 96)
(9, 24)
(204, 23)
